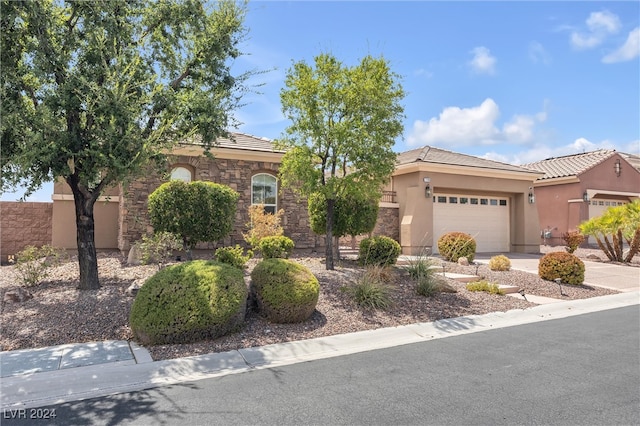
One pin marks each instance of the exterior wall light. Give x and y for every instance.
(585, 197)
(532, 197)
(617, 167)
(427, 189)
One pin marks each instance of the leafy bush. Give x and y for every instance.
(566, 266)
(196, 211)
(284, 291)
(355, 214)
(188, 302)
(380, 250)
(262, 224)
(233, 256)
(371, 290)
(499, 263)
(34, 263)
(572, 239)
(159, 247)
(454, 245)
(484, 285)
(276, 247)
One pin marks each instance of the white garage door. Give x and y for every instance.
(597, 207)
(485, 218)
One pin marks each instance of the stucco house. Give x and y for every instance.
(440, 191)
(575, 188)
(431, 192)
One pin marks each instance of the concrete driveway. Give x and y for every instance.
(608, 275)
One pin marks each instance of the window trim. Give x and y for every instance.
(275, 196)
(183, 167)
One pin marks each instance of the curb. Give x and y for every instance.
(55, 387)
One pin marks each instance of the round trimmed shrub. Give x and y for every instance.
(284, 291)
(379, 251)
(276, 246)
(566, 266)
(499, 263)
(188, 302)
(454, 245)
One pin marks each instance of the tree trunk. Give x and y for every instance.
(634, 246)
(328, 253)
(87, 259)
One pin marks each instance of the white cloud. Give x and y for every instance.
(458, 126)
(538, 54)
(628, 51)
(541, 152)
(600, 25)
(632, 147)
(519, 129)
(483, 62)
(477, 125)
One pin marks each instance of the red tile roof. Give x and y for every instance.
(570, 165)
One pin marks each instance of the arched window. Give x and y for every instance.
(264, 190)
(181, 173)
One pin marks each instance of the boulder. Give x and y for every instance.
(135, 255)
(463, 261)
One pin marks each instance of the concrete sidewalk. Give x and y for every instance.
(42, 384)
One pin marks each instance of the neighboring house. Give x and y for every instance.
(431, 192)
(577, 187)
(439, 191)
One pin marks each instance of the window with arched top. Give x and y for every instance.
(181, 173)
(264, 190)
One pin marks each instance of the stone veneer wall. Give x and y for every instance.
(134, 220)
(23, 224)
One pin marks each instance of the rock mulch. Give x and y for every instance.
(58, 313)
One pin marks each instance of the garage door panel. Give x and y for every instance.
(597, 207)
(486, 219)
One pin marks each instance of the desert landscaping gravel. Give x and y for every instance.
(59, 313)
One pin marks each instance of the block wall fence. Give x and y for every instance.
(23, 224)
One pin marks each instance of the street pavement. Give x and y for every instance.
(45, 376)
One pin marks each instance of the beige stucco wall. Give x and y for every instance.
(105, 215)
(416, 210)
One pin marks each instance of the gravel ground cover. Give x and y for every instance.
(58, 313)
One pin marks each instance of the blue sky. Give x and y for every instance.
(510, 81)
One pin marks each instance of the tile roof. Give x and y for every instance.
(429, 154)
(570, 165)
(247, 142)
(633, 159)
(243, 141)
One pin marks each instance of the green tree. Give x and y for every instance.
(353, 215)
(344, 121)
(94, 92)
(618, 226)
(196, 211)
